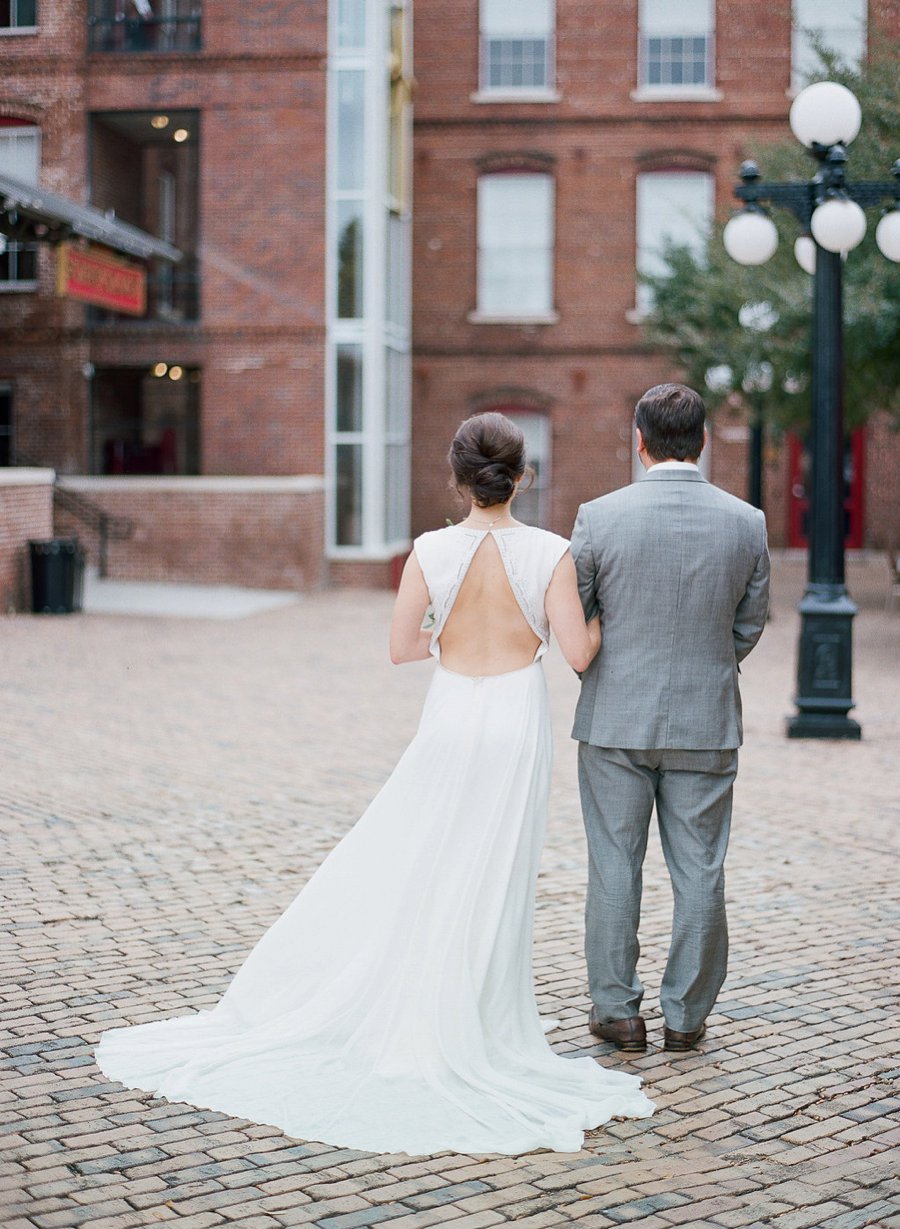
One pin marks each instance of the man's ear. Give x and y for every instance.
(639, 437)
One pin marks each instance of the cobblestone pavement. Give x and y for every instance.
(168, 784)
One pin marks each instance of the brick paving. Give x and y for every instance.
(166, 786)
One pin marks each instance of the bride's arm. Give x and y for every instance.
(578, 640)
(408, 641)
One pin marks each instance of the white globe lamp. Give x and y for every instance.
(838, 225)
(805, 253)
(824, 114)
(750, 238)
(887, 235)
(720, 378)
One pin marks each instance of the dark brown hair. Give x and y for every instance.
(487, 456)
(670, 417)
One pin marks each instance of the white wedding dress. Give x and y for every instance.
(391, 1007)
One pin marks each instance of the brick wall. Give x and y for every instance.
(588, 369)
(882, 484)
(259, 87)
(254, 532)
(367, 573)
(26, 514)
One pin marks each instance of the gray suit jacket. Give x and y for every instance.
(679, 573)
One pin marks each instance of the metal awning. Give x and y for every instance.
(31, 213)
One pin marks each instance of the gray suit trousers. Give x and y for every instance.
(692, 791)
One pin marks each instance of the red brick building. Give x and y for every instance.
(270, 146)
(553, 146)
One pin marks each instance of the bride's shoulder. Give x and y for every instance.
(545, 546)
(434, 536)
(433, 543)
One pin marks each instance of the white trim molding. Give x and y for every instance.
(676, 93)
(544, 318)
(23, 475)
(297, 484)
(509, 96)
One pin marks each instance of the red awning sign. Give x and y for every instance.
(94, 275)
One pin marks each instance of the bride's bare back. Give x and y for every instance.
(486, 632)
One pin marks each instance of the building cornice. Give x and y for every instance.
(107, 62)
(26, 333)
(99, 64)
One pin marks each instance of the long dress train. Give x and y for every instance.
(391, 1007)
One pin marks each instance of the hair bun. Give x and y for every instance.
(493, 483)
(487, 457)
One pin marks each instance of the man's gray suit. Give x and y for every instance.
(679, 573)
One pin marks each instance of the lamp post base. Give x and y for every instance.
(823, 725)
(824, 692)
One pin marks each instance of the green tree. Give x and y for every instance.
(742, 335)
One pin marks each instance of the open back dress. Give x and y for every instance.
(391, 1007)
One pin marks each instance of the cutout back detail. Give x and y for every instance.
(486, 631)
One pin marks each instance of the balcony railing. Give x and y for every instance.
(113, 26)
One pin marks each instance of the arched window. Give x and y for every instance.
(672, 206)
(515, 245)
(20, 149)
(20, 159)
(533, 505)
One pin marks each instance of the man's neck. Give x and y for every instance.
(673, 463)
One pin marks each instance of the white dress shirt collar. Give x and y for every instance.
(674, 465)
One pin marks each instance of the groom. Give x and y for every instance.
(679, 573)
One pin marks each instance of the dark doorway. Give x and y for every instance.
(145, 422)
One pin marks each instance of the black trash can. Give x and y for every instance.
(57, 576)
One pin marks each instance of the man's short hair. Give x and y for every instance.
(671, 417)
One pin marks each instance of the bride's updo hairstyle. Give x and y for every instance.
(487, 457)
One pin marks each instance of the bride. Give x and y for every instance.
(391, 1007)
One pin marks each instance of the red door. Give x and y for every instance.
(854, 488)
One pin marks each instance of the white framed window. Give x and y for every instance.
(515, 247)
(517, 49)
(841, 27)
(671, 207)
(20, 150)
(676, 52)
(533, 505)
(20, 158)
(18, 16)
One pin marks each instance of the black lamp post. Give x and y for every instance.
(825, 118)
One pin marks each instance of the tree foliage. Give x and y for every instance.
(697, 314)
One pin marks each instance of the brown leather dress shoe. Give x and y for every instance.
(673, 1040)
(629, 1035)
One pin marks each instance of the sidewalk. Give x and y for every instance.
(135, 597)
(167, 785)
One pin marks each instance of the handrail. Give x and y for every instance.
(107, 525)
